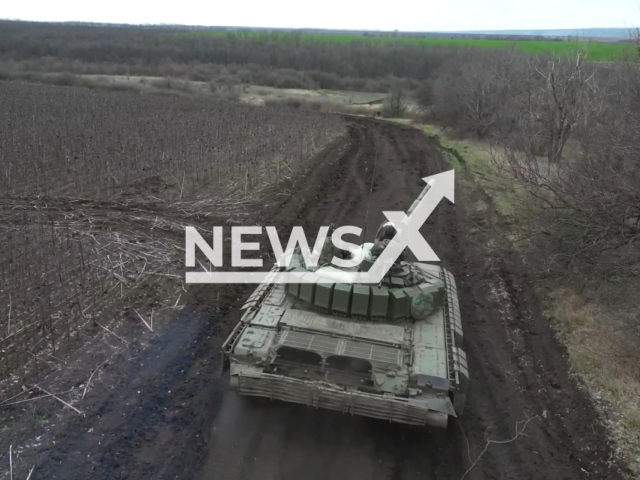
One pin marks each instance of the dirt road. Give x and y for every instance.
(518, 371)
(167, 416)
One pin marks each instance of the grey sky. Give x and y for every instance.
(411, 15)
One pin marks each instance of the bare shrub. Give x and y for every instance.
(553, 98)
(565, 140)
(395, 105)
(565, 135)
(471, 95)
(584, 204)
(230, 92)
(424, 96)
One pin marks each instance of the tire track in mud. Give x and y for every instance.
(354, 183)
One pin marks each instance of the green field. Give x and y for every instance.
(594, 51)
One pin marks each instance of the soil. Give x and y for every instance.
(157, 409)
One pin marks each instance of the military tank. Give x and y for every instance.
(391, 350)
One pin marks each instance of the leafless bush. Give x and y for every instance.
(565, 135)
(473, 88)
(585, 203)
(395, 105)
(634, 36)
(551, 100)
(231, 92)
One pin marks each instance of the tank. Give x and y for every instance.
(391, 350)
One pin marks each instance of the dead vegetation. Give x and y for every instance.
(565, 134)
(233, 57)
(520, 428)
(95, 190)
(555, 142)
(66, 141)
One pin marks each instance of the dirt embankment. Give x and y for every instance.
(160, 412)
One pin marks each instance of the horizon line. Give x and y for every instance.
(478, 31)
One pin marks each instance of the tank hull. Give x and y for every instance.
(384, 362)
(332, 397)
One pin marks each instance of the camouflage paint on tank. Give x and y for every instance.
(391, 350)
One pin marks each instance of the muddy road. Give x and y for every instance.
(166, 415)
(518, 371)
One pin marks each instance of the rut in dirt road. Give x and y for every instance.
(518, 371)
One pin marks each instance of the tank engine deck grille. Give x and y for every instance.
(327, 346)
(375, 353)
(308, 341)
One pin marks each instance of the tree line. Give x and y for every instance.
(268, 59)
(567, 134)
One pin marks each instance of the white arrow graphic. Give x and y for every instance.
(439, 186)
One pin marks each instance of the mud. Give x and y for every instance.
(160, 411)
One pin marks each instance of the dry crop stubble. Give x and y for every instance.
(95, 190)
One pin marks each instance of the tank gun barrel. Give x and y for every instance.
(414, 205)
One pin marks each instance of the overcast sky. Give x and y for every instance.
(409, 15)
